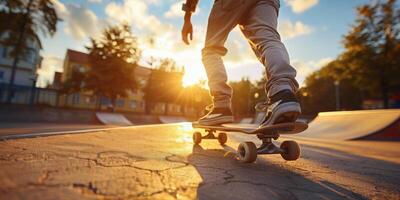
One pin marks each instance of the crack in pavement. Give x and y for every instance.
(91, 187)
(108, 160)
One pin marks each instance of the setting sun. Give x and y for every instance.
(193, 75)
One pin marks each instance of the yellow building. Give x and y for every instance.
(135, 102)
(75, 60)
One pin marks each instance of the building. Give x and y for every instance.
(25, 76)
(135, 102)
(75, 60)
(53, 95)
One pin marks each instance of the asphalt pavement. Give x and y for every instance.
(161, 162)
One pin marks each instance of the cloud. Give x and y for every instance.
(160, 38)
(136, 12)
(60, 8)
(95, 1)
(80, 21)
(175, 11)
(289, 30)
(299, 6)
(154, 2)
(50, 65)
(128, 11)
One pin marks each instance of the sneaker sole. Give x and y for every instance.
(216, 121)
(284, 113)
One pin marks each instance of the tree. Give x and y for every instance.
(164, 84)
(112, 60)
(259, 90)
(372, 48)
(243, 100)
(196, 96)
(74, 83)
(319, 93)
(369, 66)
(28, 18)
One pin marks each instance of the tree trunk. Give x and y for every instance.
(96, 103)
(385, 93)
(32, 98)
(113, 100)
(10, 89)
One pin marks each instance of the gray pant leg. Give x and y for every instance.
(224, 16)
(260, 28)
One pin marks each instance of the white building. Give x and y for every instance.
(25, 74)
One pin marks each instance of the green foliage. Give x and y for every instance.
(112, 61)
(319, 93)
(259, 90)
(74, 83)
(22, 20)
(196, 96)
(372, 48)
(243, 99)
(368, 68)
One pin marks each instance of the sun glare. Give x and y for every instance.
(189, 79)
(193, 76)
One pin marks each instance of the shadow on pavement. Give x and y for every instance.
(226, 178)
(383, 173)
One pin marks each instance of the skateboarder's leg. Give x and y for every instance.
(260, 28)
(223, 18)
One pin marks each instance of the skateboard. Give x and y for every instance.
(247, 151)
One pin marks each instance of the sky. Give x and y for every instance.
(312, 31)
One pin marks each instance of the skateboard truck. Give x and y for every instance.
(268, 147)
(210, 135)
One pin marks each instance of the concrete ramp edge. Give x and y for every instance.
(352, 125)
(113, 119)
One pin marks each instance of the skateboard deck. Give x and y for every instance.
(283, 128)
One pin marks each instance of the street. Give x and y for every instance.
(161, 162)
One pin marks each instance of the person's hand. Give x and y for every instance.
(187, 32)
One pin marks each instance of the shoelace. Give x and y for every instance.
(262, 106)
(210, 107)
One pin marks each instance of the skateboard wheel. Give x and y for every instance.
(247, 152)
(291, 150)
(196, 137)
(222, 138)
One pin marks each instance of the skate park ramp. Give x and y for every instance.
(115, 119)
(142, 119)
(172, 119)
(353, 125)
